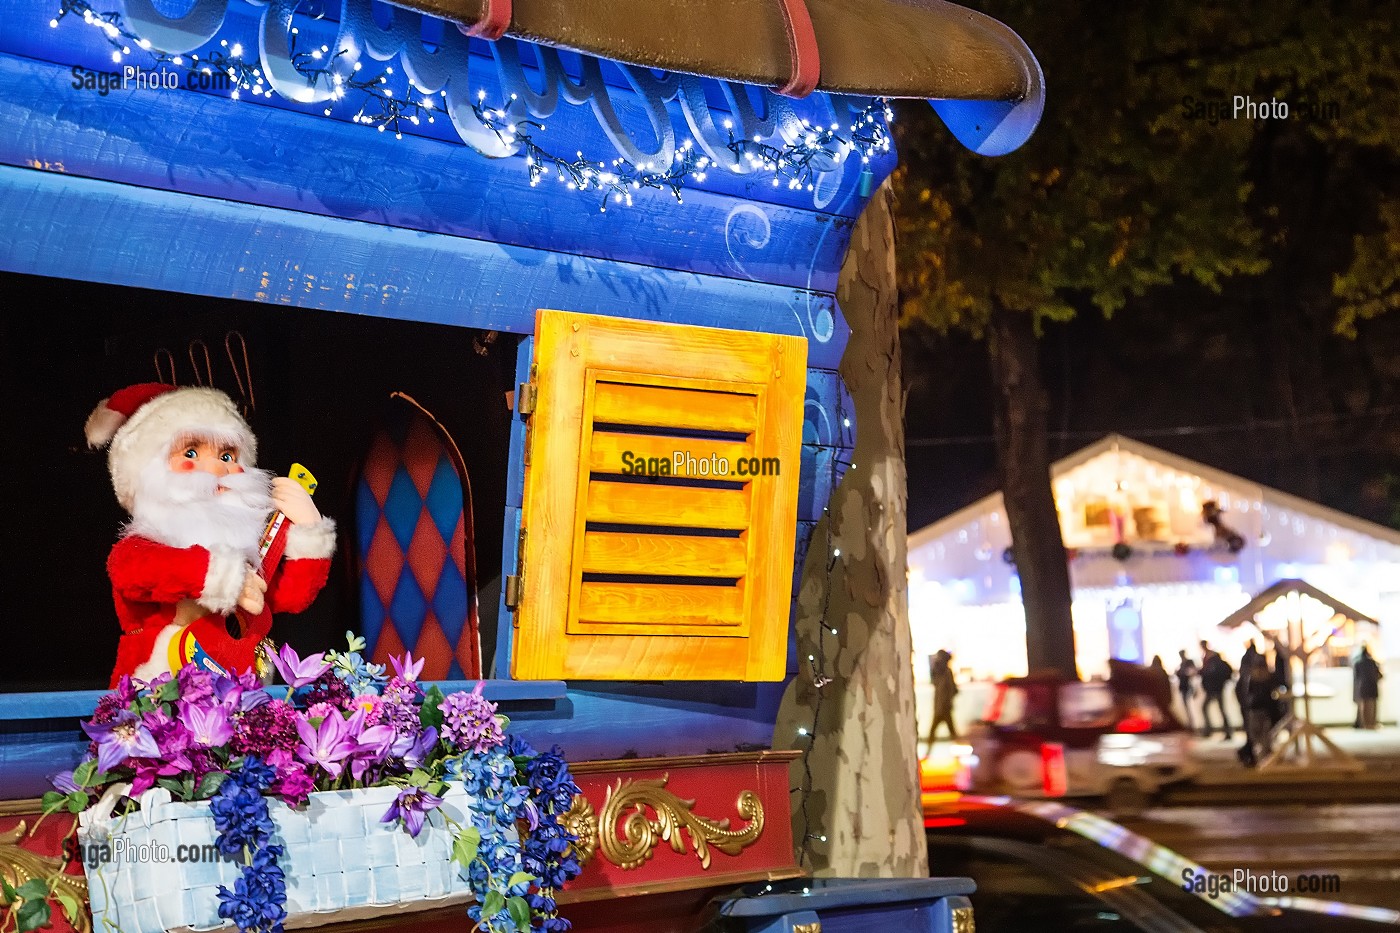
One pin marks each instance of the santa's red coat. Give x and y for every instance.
(150, 581)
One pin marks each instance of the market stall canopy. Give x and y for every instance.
(1282, 589)
(977, 73)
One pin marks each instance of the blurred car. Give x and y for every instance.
(1041, 865)
(1049, 736)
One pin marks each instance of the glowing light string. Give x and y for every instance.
(819, 149)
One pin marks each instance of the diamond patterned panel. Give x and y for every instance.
(432, 645)
(408, 608)
(383, 562)
(411, 534)
(444, 498)
(427, 553)
(402, 507)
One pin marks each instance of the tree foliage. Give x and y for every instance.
(1141, 173)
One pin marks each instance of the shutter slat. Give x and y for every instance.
(659, 605)
(608, 448)
(664, 555)
(660, 504)
(654, 406)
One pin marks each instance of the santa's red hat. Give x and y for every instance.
(142, 422)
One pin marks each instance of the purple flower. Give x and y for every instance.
(469, 721)
(371, 748)
(195, 684)
(415, 751)
(122, 738)
(411, 805)
(265, 728)
(209, 726)
(296, 671)
(63, 781)
(327, 746)
(408, 669)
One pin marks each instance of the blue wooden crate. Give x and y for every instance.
(839, 905)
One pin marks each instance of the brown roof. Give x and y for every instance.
(886, 48)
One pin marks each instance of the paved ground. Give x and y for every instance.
(1354, 843)
(1373, 774)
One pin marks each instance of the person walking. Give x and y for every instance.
(1258, 708)
(1186, 673)
(1215, 676)
(1366, 687)
(945, 687)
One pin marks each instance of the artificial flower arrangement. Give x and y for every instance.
(343, 724)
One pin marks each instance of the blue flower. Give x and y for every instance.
(257, 903)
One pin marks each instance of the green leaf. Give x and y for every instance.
(77, 801)
(169, 691)
(465, 845)
(82, 774)
(419, 778)
(53, 800)
(33, 915)
(33, 888)
(503, 720)
(436, 788)
(170, 784)
(10, 895)
(210, 783)
(187, 787)
(519, 912)
(494, 903)
(71, 907)
(429, 713)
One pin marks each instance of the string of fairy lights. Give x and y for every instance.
(796, 165)
(822, 665)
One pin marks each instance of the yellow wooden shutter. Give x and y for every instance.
(632, 577)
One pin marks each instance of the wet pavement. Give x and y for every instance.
(1359, 843)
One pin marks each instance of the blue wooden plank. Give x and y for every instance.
(58, 704)
(592, 722)
(829, 413)
(515, 468)
(338, 169)
(602, 721)
(802, 543)
(505, 618)
(99, 231)
(841, 192)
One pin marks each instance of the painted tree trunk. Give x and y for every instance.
(857, 811)
(1023, 462)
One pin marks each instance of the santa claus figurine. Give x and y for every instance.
(186, 568)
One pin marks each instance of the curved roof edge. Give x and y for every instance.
(981, 78)
(935, 530)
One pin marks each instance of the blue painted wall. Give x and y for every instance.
(272, 202)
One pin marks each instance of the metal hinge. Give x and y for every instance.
(526, 398)
(515, 582)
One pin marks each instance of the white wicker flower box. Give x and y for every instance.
(341, 862)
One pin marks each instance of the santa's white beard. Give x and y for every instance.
(182, 509)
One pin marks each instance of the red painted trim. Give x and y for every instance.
(494, 22)
(802, 45)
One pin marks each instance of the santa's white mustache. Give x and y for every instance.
(184, 508)
(251, 488)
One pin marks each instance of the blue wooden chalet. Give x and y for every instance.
(471, 164)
